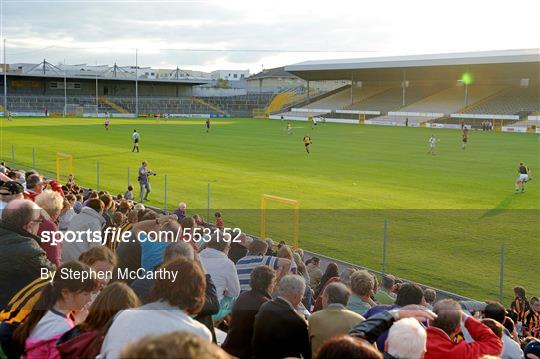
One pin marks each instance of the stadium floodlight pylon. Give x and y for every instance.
(60, 157)
(287, 201)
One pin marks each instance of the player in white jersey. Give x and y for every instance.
(136, 137)
(432, 144)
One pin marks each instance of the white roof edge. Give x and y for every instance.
(458, 58)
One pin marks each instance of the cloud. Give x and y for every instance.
(169, 32)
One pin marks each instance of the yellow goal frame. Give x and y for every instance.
(63, 156)
(287, 201)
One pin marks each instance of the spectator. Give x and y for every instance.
(443, 329)
(188, 230)
(279, 331)
(52, 203)
(108, 208)
(223, 272)
(67, 213)
(173, 345)
(430, 296)
(180, 211)
(285, 252)
(238, 341)
(10, 191)
(532, 349)
(334, 319)
(270, 250)
(102, 260)
(255, 258)
(531, 319)
(347, 347)
(315, 272)
(384, 295)
(239, 248)
(511, 327)
(87, 225)
(85, 339)
(362, 288)
(511, 349)
(406, 340)
(152, 251)
(494, 326)
(331, 271)
(302, 271)
(34, 186)
(53, 313)
(174, 302)
(128, 195)
(409, 294)
(520, 304)
(344, 277)
(219, 221)
(372, 328)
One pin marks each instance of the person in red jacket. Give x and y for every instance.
(35, 185)
(443, 329)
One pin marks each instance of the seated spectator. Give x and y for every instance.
(314, 271)
(53, 313)
(384, 295)
(347, 347)
(21, 259)
(238, 341)
(152, 250)
(255, 258)
(406, 340)
(180, 211)
(302, 271)
(175, 302)
(344, 277)
(511, 327)
(34, 186)
(10, 191)
(362, 288)
(334, 319)
(219, 220)
(128, 195)
(52, 203)
(372, 328)
(331, 273)
(270, 249)
(173, 345)
(85, 339)
(279, 331)
(446, 326)
(239, 249)
(531, 319)
(430, 296)
(520, 305)
(223, 272)
(188, 232)
(532, 349)
(285, 252)
(103, 261)
(495, 327)
(67, 213)
(511, 349)
(409, 294)
(86, 224)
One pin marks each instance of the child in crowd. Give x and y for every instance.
(129, 193)
(53, 313)
(219, 221)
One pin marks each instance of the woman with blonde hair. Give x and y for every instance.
(52, 203)
(85, 339)
(285, 252)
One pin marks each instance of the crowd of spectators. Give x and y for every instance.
(266, 297)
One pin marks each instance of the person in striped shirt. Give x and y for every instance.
(254, 258)
(531, 322)
(520, 305)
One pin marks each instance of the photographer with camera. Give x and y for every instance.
(144, 181)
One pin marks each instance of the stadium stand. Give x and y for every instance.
(512, 101)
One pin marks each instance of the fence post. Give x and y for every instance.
(385, 240)
(165, 200)
(501, 276)
(13, 153)
(33, 157)
(208, 204)
(97, 174)
(128, 177)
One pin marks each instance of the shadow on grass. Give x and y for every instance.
(501, 207)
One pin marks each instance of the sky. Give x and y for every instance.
(252, 35)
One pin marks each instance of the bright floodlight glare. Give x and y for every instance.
(466, 78)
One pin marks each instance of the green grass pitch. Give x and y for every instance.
(448, 214)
